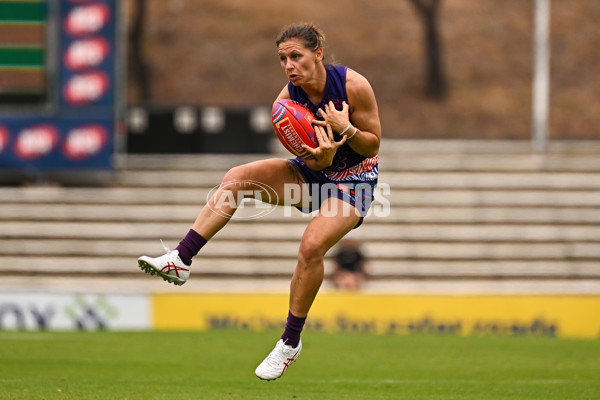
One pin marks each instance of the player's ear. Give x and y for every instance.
(319, 54)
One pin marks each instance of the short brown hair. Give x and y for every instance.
(309, 33)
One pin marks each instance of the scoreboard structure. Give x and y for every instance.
(60, 70)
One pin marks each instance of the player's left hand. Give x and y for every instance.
(322, 156)
(338, 119)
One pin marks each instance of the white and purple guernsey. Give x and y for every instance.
(347, 164)
(353, 175)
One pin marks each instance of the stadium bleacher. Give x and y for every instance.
(463, 215)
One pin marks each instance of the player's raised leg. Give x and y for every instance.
(266, 179)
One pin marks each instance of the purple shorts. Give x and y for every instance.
(356, 192)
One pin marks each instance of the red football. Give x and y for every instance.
(293, 124)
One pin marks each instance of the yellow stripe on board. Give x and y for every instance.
(571, 316)
(206, 311)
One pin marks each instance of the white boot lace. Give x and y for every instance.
(277, 356)
(167, 249)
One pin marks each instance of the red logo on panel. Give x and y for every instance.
(86, 88)
(87, 19)
(3, 138)
(85, 141)
(36, 141)
(86, 53)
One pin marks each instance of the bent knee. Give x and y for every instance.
(311, 251)
(238, 178)
(235, 174)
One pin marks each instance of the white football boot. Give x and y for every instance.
(168, 266)
(278, 361)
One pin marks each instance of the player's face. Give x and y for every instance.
(298, 62)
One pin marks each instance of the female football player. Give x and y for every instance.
(337, 179)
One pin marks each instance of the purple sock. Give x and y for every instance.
(293, 328)
(189, 246)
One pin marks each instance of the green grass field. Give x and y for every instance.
(220, 365)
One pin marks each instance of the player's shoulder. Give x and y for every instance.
(357, 84)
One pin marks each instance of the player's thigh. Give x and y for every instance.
(275, 181)
(333, 221)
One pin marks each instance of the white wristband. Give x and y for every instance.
(349, 138)
(345, 129)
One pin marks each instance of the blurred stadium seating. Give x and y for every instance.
(484, 211)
